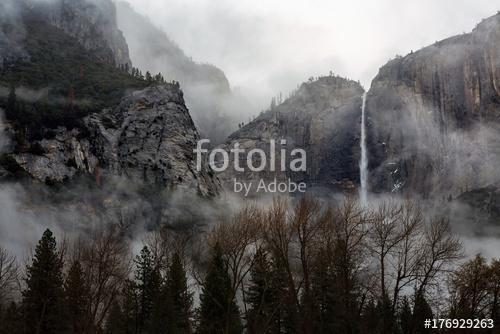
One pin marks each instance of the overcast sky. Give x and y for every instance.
(273, 45)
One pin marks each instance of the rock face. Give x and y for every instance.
(434, 115)
(322, 117)
(149, 138)
(92, 23)
(58, 159)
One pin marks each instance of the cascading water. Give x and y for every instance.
(363, 163)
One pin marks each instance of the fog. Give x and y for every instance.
(268, 47)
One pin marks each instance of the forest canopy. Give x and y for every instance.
(302, 268)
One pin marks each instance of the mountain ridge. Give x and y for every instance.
(309, 120)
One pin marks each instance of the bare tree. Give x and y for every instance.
(409, 252)
(277, 236)
(406, 258)
(468, 289)
(385, 235)
(106, 265)
(342, 241)
(441, 250)
(494, 287)
(163, 243)
(237, 240)
(279, 241)
(9, 275)
(305, 223)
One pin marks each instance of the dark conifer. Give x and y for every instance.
(405, 317)
(130, 309)
(148, 285)
(116, 322)
(11, 320)
(77, 299)
(421, 311)
(263, 302)
(218, 310)
(43, 299)
(179, 296)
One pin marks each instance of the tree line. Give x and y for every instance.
(302, 268)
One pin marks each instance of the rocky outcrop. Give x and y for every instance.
(323, 118)
(58, 159)
(434, 115)
(149, 139)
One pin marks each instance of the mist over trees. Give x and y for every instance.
(301, 268)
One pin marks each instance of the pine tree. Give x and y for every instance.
(262, 315)
(148, 284)
(421, 311)
(77, 299)
(161, 319)
(385, 315)
(218, 311)
(130, 310)
(405, 317)
(325, 295)
(11, 320)
(369, 318)
(116, 322)
(149, 78)
(43, 299)
(285, 303)
(159, 79)
(180, 298)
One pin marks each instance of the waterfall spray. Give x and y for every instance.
(363, 164)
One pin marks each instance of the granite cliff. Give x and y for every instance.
(148, 138)
(322, 117)
(73, 109)
(434, 117)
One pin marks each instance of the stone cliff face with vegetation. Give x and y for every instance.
(434, 116)
(148, 138)
(73, 108)
(322, 117)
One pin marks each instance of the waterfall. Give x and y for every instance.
(363, 163)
